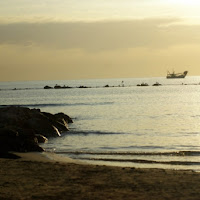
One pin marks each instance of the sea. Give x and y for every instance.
(117, 122)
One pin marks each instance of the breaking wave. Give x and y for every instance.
(173, 153)
(182, 159)
(60, 104)
(144, 161)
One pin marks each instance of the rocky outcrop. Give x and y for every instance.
(22, 141)
(47, 87)
(60, 116)
(22, 129)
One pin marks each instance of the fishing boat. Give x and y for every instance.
(176, 75)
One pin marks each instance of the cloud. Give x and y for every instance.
(100, 35)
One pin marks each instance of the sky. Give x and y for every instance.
(89, 39)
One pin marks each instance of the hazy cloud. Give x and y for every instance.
(104, 35)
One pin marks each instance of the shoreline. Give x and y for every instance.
(42, 176)
(46, 157)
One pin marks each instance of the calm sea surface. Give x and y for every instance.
(153, 126)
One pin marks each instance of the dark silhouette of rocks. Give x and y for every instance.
(20, 141)
(82, 86)
(57, 87)
(157, 84)
(22, 129)
(66, 87)
(47, 87)
(41, 138)
(60, 116)
(143, 84)
(61, 87)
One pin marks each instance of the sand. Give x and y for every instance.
(35, 176)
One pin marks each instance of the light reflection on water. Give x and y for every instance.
(130, 118)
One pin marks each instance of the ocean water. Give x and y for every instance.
(123, 124)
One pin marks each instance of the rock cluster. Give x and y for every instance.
(22, 129)
(63, 87)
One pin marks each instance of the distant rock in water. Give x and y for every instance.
(143, 84)
(22, 129)
(57, 87)
(61, 87)
(156, 84)
(82, 86)
(47, 87)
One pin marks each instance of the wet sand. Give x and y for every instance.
(35, 176)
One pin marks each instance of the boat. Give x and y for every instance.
(176, 75)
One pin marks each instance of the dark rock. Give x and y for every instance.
(41, 138)
(13, 116)
(156, 84)
(8, 140)
(61, 87)
(11, 140)
(66, 87)
(57, 87)
(143, 84)
(47, 87)
(82, 86)
(60, 116)
(22, 128)
(42, 126)
(28, 141)
(60, 124)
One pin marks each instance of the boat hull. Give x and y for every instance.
(175, 76)
(179, 75)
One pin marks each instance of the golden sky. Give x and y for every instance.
(73, 39)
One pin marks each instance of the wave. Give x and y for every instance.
(180, 158)
(72, 132)
(92, 86)
(173, 153)
(143, 161)
(34, 105)
(59, 104)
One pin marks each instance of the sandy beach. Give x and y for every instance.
(35, 176)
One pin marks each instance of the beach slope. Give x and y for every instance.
(35, 177)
